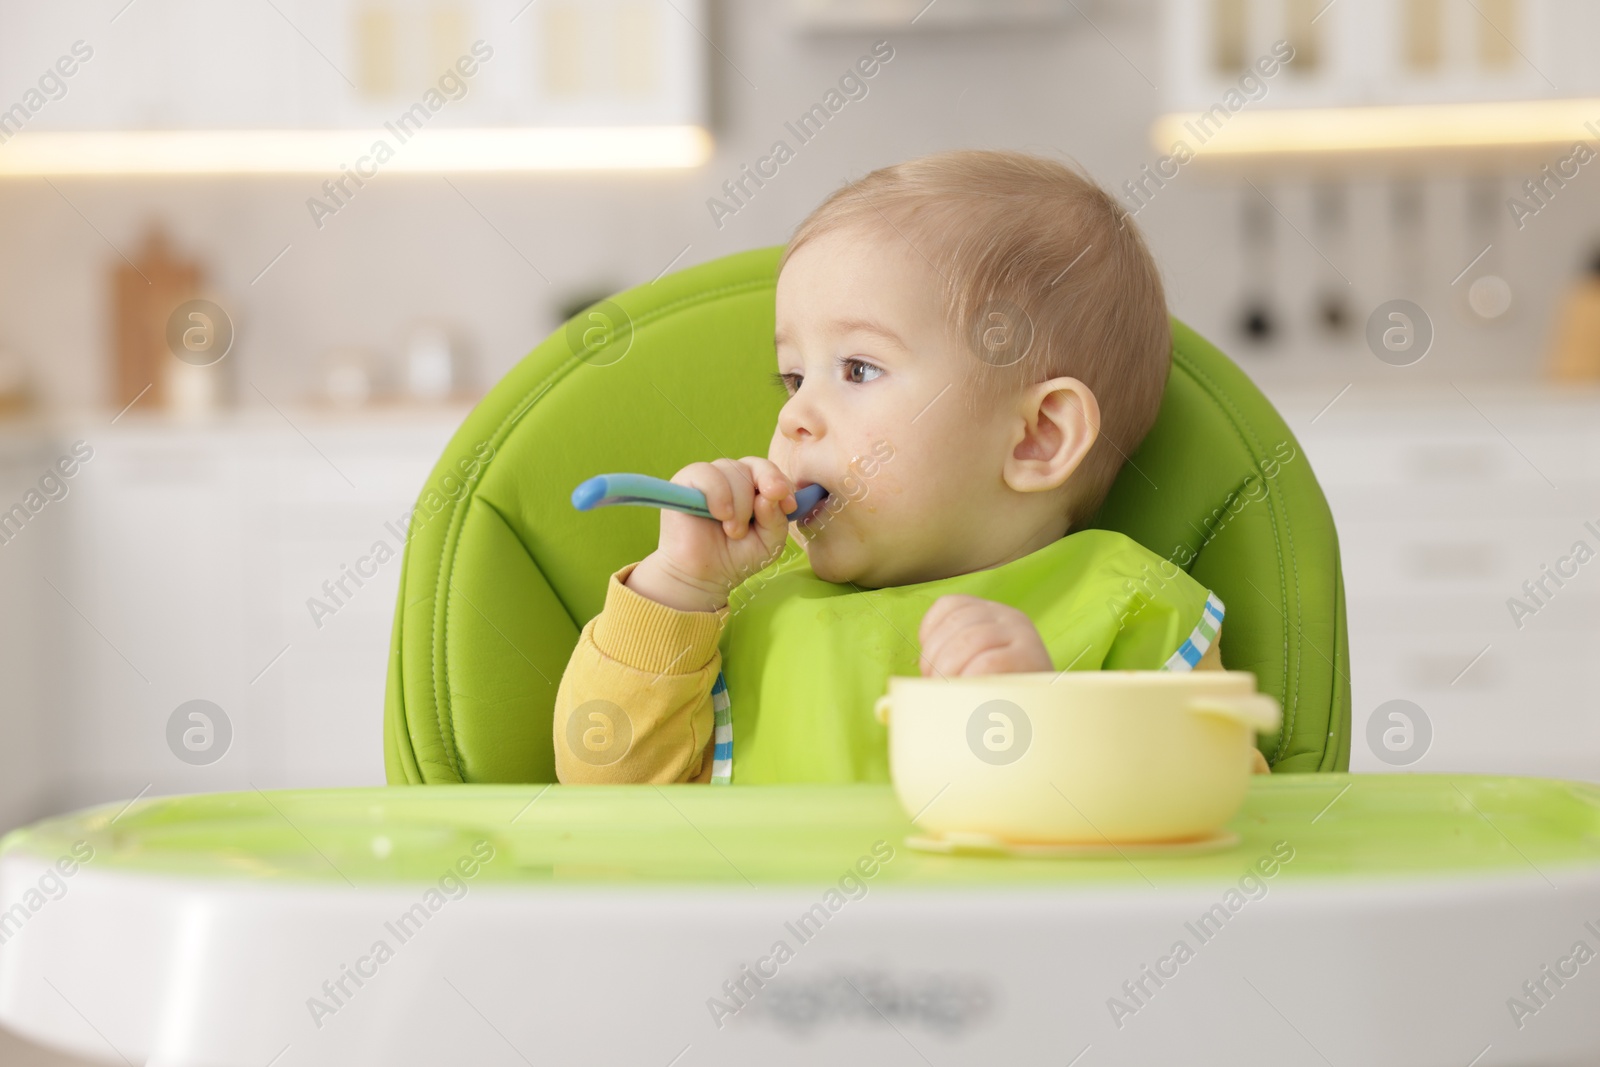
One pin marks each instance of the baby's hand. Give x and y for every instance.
(698, 562)
(963, 635)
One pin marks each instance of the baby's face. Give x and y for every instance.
(876, 415)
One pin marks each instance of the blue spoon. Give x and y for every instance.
(642, 489)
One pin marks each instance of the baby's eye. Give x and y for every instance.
(789, 383)
(851, 365)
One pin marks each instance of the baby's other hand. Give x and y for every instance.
(962, 635)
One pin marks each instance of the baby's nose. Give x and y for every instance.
(797, 421)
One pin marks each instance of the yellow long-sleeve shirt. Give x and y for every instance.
(634, 704)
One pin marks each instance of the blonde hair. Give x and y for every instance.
(1044, 276)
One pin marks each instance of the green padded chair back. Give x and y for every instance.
(501, 572)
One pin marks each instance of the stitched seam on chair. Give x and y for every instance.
(443, 710)
(441, 704)
(512, 530)
(528, 550)
(1239, 426)
(1299, 599)
(1233, 494)
(1341, 615)
(449, 632)
(405, 745)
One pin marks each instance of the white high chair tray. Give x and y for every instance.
(1372, 920)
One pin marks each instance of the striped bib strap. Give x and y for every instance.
(722, 720)
(1195, 645)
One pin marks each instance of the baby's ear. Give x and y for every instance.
(1058, 422)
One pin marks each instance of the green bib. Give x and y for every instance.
(803, 660)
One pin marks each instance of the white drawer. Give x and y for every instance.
(1489, 558)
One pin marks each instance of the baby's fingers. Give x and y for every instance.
(954, 650)
(713, 483)
(770, 515)
(970, 635)
(938, 613)
(956, 624)
(741, 494)
(771, 482)
(942, 617)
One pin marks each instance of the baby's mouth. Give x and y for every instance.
(808, 513)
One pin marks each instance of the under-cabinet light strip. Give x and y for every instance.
(1288, 131)
(368, 152)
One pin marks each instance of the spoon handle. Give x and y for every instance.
(643, 490)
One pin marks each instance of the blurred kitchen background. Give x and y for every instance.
(247, 335)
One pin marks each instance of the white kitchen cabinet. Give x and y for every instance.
(184, 555)
(1444, 510)
(29, 618)
(358, 64)
(1360, 53)
(330, 682)
(157, 559)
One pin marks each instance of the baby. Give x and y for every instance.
(971, 344)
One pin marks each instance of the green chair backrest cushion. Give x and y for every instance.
(501, 572)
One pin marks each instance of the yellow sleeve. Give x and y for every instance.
(634, 704)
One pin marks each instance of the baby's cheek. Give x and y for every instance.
(778, 448)
(881, 489)
(854, 486)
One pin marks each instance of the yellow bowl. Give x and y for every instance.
(1077, 757)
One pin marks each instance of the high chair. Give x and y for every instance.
(501, 572)
(1390, 920)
